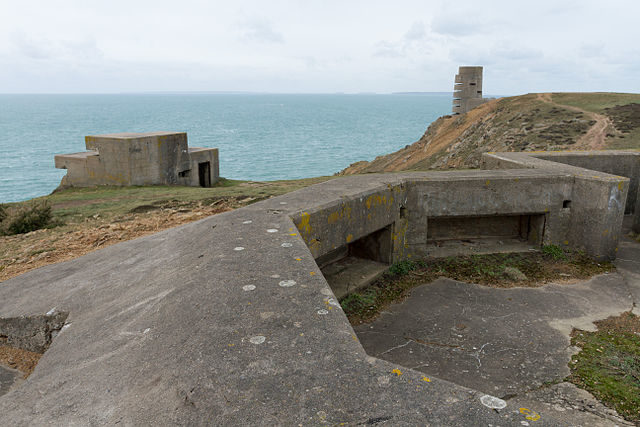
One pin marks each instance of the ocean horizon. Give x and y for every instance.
(261, 136)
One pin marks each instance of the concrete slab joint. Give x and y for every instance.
(230, 321)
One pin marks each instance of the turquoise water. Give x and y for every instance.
(260, 137)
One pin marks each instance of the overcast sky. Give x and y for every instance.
(69, 46)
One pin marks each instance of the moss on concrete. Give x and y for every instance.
(608, 364)
(536, 268)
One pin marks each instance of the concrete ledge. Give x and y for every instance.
(229, 320)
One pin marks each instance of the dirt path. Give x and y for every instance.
(596, 136)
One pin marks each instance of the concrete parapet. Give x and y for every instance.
(597, 203)
(152, 158)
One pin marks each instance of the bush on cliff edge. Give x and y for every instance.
(25, 218)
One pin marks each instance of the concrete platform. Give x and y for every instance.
(229, 321)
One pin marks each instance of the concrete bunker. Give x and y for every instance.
(151, 158)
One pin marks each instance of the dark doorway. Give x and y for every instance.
(204, 174)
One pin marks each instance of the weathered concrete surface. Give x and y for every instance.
(8, 377)
(32, 333)
(228, 321)
(508, 342)
(500, 341)
(182, 328)
(567, 403)
(597, 203)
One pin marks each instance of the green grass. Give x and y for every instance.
(76, 204)
(595, 102)
(554, 251)
(538, 267)
(608, 364)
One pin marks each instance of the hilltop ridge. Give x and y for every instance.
(531, 122)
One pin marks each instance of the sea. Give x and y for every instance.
(260, 137)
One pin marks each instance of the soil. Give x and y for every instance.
(25, 252)
(22, 360)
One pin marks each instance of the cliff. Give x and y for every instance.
(532, 122)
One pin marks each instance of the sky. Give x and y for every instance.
(317, 46)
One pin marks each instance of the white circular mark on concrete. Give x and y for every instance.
(248, 287)
(524, 423)
(283, 203)
(146, 331)
(287, 283)
(275, 276)
(238, 248)
(333, 302)
(259, 339)
(493, 402)
(272, 230)
(326, 291)
(323, 311)
(286, 245)
(247, 221)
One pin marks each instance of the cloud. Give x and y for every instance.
(458, 25)
(260, 30)
(30, 48)
(416, 41)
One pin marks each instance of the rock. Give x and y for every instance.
(514, 274)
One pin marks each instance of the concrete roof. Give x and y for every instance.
(133, 135)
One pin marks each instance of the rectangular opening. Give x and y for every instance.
(484, 234)
(357, 264)
(204, 174)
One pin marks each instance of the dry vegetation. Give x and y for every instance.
(533, 122)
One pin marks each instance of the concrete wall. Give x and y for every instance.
(153, 158)
(553, 206)
(595, 207)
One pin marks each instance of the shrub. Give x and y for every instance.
(25, 218)
(3, 213)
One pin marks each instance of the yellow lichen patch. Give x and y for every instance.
(397, 371)
(304, 225)
(487, 183)
(620, 185)
(427, 379)
(312, 273)
(530, 415)
(333, 217)
(349, 238)
(566, 242)
(605, 232)
(298, 259)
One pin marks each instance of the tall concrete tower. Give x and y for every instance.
(467, 89)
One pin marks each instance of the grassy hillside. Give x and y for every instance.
(92, 218)
(532, 122)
